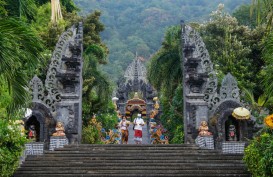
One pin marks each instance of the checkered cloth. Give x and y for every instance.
(34, 148)
(233, 147)
(200, 141)
(205, 142)
(57, 142)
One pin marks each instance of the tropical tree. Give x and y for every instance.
(159, 73)
(20, 52)
(243, 16)
(268, 68)
(165, 74)
(96, 87)
(234, 48)
(264, 12)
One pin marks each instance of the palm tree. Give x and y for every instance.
(268, 68)
(96, 87)
(259, 106)
(264, 11)
(164, 70)
(19, 55)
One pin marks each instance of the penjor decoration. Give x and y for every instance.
(56, 13)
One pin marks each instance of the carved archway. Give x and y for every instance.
(222, 114)
(134, 80)
(135, 105)
(42, 114)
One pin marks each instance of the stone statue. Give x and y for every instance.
(232, 133)
(59, 129)
(204, 129)
(32, 133)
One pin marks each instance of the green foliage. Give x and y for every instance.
(258, 155)
(137, 26)
(11, 147)
(24, 9)
(69, 5)
(178, 137)
(234, 48)
(108, 119)
(172, 117)
(165, 74)
(92, 29)
(20, 52)
(268, 68)
(91, 135)
(243, 16)
(96, 87)
(159, 73)
(264, 12)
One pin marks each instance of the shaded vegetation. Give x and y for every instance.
(137, 26)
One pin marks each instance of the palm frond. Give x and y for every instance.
(19, 52)
(249, 96)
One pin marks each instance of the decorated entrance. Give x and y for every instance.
(135, 81)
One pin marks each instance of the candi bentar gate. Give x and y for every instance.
(135, 82)
(60, 99)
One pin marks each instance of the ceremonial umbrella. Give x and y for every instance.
(241, 113)
(269, 121)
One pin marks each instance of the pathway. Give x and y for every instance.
(145, 135)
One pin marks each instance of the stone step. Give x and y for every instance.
(132, 160)
(193, 152)
(133, 157)
(131, 145)
(91, 161)
(77, 164)
(135, 149)
(131, 148)
(135, 171)
(134, 175)
(135, 167)
(139, 158)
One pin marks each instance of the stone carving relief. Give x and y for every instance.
(63, 85)
(51, 82)
(192, 38)
(134, 80)
(229, 91)
(37, 89)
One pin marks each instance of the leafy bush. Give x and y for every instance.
(91, 135)
(178, 135)
(92, 132)
(11, 147)
(172, 117)
(259, 154)
(108, 120)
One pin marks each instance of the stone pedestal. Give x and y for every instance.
(57, 142)
(206, 142)
(233, 147)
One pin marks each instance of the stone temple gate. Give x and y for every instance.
(60, 99)
(135, 80)
(203, 100)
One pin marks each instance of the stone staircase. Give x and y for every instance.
(132, 160)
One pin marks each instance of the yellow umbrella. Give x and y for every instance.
(241, 113)
(269, 121)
